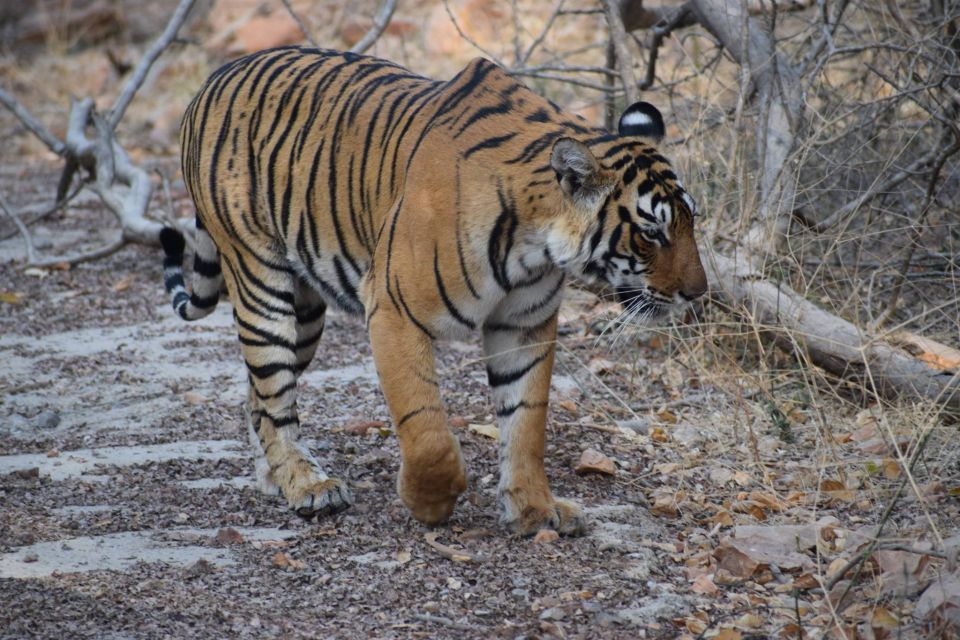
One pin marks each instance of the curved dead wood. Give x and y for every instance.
(883, 362)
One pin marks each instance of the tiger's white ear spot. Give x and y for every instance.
(636, 119)
(642, 119)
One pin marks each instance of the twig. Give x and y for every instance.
(143, 67)
(307, 32)
(543, 34)
(380, 22)
(681, 17)
(31, 123)
(915, 232)
(89, 256)
(40, 215)
(471, 41)
(450, 553)
(22, 228)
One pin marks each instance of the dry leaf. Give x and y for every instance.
(568, 405)
(836, 490)
(122, 284)
(742, 478)
(457, 422)
(226, 536)
(665, 506)
(10, 297)
(546, 536)
(284, 561)
(750, 621)
(592, 461)
(657, 434)
(728, 634)
(361, 427)
(667, 416)
(666, 468)
(193, 398)
(488, 430)
(404, 556)
(883, 619)
(704, 585)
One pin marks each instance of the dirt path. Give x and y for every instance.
(123, 456)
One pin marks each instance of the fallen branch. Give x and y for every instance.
(450, 553)
(829, 341)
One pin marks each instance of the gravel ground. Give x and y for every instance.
(107, 403)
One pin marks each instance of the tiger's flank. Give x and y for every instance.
(435, 210)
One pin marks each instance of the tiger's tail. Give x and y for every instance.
(207, 277)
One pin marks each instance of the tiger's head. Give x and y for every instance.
(626, 222)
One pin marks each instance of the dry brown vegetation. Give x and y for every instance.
(807, 491)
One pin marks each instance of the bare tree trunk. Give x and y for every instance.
(777, 85)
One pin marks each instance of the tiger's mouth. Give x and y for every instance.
(640, 305)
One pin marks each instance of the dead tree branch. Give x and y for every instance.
(304, 29)
(31, 123)
(122, 186)
(143, 67)
(380, 21)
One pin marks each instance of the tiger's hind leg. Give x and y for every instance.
(279, 323)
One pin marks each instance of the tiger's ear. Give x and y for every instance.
(579, 173)
(643, 120)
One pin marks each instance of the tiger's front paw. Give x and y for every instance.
(526, 516)
(429, 484)
(308, 490)
(322, 498)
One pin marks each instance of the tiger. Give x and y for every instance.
(434, 210)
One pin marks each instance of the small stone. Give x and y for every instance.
(454, 583)
(27, 474)
(361, 427)
(53, 453)
(553, 613)
(458, 422)
(30, 557)
(520, 594)
(191, 397)
(226, 536)
(46, 420)
(546, 536)
(638, 425)
(592, 461)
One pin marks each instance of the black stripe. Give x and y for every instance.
(268, 370)
(417, 412)
(410, 315)
(451, 308)
(489, 143)
(504, 412)
(500, 379)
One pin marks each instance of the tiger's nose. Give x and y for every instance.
(695, 287)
